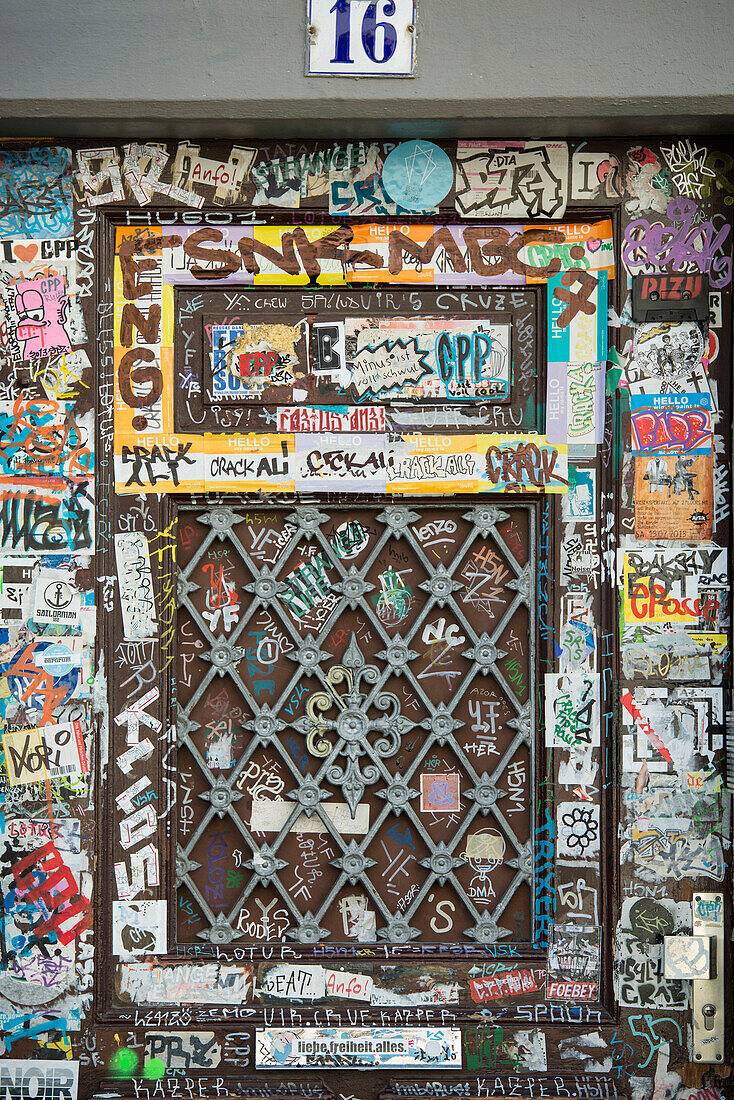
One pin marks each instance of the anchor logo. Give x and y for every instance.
(58, 595)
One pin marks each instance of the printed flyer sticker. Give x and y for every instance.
(45, 752)
(674, 497)
(368, 1048)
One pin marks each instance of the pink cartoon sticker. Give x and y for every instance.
(40, 307)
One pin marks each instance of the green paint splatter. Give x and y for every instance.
(154, 1069)
(123, 1062)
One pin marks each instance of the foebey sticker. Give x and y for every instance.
(574, 962)
(45, 752)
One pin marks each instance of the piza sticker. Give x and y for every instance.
(45, 752)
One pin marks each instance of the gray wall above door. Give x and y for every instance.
(225, 68)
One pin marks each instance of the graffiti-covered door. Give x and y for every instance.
(364, 650)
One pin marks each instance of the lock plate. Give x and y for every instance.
(708, 994)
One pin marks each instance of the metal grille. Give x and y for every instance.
(356, 712)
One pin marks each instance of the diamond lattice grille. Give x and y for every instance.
(355, 723)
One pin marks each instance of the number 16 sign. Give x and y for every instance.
(360, 37)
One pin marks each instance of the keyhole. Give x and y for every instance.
(708, 1012)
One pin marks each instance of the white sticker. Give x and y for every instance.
(270, 815)
(45, 752)
(137, 599)
(139, 928)
(41, 1079)
(346, 986)
(56, 600)
(294, 983)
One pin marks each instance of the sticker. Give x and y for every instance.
(507, 984)
(674, 497)
(651, 920)
(41, 1080)
(368, 1048)
(574, 962)
(46, 752)
(137, 599)
(341, 463)
(60, 659)
(580, 502)
(672, 731)
(423, 358)
(586, 246)
(515, 179)
(36, 186)
(440, 793)
(575, 402)
(675, 586)
(348, 986)
(577, 828)
(670, 297)
(36, 312)
(184, 1050)
(687, 957)
(293, 982)
(577, 316)
(416, 986)
(180, 261)
(139, 928)
(270, 815)
(667, 358)
(238, 463)
(579, 767)
(328, 351)
(332, 418)
(56, 600)
(671, 424)
(572, 710)
(589, 172)
(46, 515)
(226, 177)
(521, 463)
(672, 847)
(640, 980)
(443, 464)
(257, 364)
(359, 190)
(418, 175)
(186, 983)
(487, 845)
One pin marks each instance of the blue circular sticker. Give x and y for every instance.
(42, 676)
(417, 174)
(57, 659)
